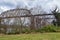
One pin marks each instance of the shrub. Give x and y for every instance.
(26, 30)
(13, 31)
(47, 28)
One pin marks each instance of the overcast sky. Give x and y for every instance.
(10, 4)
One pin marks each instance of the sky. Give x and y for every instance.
(45, 4)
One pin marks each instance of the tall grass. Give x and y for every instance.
(46, 28)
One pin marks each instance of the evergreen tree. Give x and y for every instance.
(57, 16)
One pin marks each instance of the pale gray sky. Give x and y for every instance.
(46, 4)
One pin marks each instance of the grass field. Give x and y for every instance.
(36, 36)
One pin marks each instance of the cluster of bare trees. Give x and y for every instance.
(20, 18)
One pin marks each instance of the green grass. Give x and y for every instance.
(36, 36)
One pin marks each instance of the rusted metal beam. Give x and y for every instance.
(26, 16)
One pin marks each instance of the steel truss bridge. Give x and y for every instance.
(19, 13)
